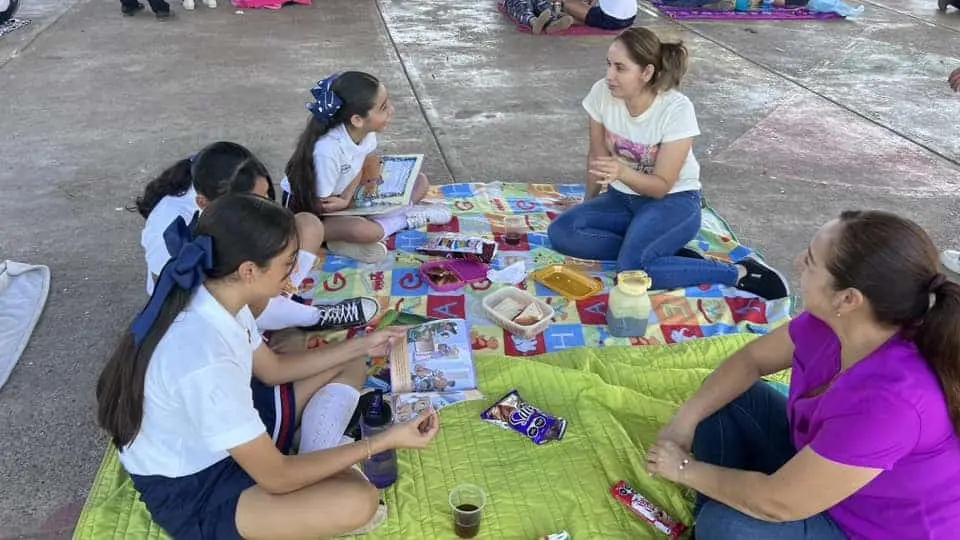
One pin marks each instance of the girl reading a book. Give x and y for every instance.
(335, 157)
(203, 413)
(641, 146)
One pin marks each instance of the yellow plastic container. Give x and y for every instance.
(572, 284)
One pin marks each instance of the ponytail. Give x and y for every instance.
(175, 181)
(120, 389)
(673, 66)
(301, 170)
(938, 340)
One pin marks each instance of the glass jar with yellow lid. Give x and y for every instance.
(628, 307)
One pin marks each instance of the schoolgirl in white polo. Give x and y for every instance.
(203, 413)
(189, 185)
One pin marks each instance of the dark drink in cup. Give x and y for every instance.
(467, 523)
(467, 502)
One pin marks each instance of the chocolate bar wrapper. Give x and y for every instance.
(644, 509)
(458, 246)
(512, 412)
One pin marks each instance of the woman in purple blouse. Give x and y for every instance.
(865, 446)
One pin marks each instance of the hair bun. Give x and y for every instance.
(937, 283)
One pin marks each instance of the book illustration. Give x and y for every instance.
(408, 406)
(433, 365)
(394, 188)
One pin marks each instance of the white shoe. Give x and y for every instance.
(189, 5)
(951, 260)
(374, 252)
(210, 3)
(422, 215)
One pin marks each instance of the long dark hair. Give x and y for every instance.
(358, 92)
(893, 262)
(669, 59)
(243, 228)
(220, 168)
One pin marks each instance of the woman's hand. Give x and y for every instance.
(334, 203)
(680, 432)
(605, 170)
(415, 434)
(378, 344)
(667, 460)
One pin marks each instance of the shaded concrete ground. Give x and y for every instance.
(800, 120)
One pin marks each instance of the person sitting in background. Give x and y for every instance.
(865, 445)
(602, 14)
(539, 15)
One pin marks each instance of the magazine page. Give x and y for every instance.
(435, 357)
(406, 407)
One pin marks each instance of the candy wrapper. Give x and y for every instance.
(512, 412)
(643, 508)
(458, 246)
(562, 535)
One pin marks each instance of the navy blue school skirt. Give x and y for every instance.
(597, 18)
(204, 504)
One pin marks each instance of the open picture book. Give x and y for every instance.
(398, 175)
(433, 365)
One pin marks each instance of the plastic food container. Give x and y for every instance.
(572, 284)
(524, 299)
(462, 272)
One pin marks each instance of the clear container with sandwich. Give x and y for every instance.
(518, 311)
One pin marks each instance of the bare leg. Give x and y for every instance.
(352, 229)
(576, 9)
(329, 508)
(420, 188)
(310, 230)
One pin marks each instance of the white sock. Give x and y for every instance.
(305, 262)
(393, 221)
(327, 416)
(282, 312)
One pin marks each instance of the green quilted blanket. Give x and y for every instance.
(615, 400)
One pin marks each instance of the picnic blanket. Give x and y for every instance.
(773, 14)
(615, 400)
(480, 209)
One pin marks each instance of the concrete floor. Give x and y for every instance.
(800, 120)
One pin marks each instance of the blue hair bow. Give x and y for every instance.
(190, 257)
(327, 102)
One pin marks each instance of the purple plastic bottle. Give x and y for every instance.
(381, 469)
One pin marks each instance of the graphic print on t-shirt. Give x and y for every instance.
(640, 156)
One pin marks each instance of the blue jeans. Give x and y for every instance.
(640, 233)
(751, 433)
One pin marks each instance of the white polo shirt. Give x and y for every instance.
(151, 238)
(338, 160)
(197, 397)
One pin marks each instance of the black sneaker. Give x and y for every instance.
(349, 313)
(762, 280)
(163, 16)
(131, 10)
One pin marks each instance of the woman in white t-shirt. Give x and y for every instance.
(203, 413)
(187, 187)
(641, 146)
(335, 154)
